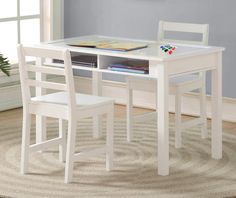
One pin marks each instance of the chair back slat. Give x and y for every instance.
(202, 29)
(188, 42)
(43, 53)
(46, 70)
(47, 85)
(41, 83)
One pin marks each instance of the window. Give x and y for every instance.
(25, 21)
(19, 23)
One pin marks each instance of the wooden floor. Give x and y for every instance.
(120, 111)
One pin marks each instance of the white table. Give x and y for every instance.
(186, 59)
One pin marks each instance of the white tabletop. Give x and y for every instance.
(152, 52)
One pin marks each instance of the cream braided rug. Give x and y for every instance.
(192, 171)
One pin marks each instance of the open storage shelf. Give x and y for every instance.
(102, 63)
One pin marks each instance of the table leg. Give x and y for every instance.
(97, 90)
(163, 120)
(216, 145)
(40, 120)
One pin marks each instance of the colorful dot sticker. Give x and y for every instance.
(168, 49)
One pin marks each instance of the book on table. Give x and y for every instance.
(109, 44)
(132, 66)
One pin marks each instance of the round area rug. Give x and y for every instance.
(193, 173)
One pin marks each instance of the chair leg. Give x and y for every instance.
(41, 131)
(70, 150)
(203, 112)
(25, 142)
(109, 139)
(97, 127)
(129, 112)
(178, 137)
(62, 135)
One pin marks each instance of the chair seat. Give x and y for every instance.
(173, 81)
(149, 85)
(183, 79)
(81, 99)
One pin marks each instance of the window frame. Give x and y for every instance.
(18, 18)
(49, 29)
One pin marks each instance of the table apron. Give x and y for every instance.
(192, 64)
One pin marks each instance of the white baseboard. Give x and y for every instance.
(147, 100)
(11, 98)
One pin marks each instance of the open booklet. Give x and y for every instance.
(109, 45)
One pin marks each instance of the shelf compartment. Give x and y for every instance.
(126, 65)
(81, 59)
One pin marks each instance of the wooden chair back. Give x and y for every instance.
(165, 26)
(38, 67)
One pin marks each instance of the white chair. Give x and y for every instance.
(64, 104)
(178, 85)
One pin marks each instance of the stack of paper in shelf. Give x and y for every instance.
(82, 60)
(132, 66)
(85, 60)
